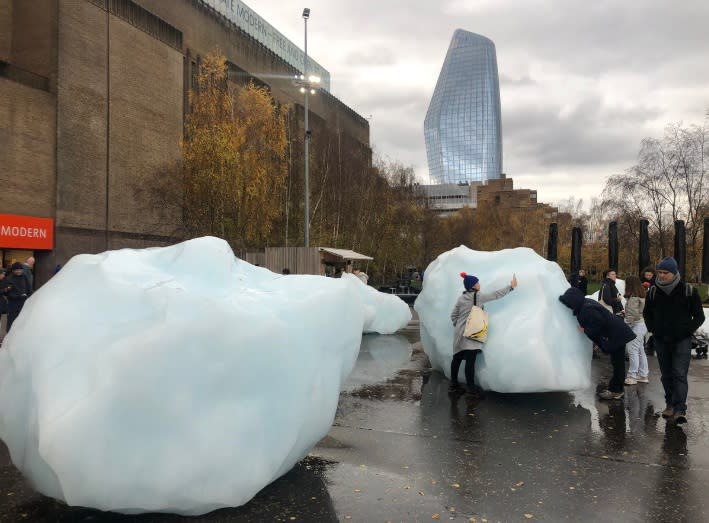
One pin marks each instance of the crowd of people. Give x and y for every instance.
(16, 285)
(658, 305)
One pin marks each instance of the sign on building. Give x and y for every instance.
(26, 232)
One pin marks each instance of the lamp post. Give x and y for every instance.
(306, 89)
(307, 84)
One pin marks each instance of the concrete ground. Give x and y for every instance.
(402, 449)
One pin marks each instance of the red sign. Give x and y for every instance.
(26, 232)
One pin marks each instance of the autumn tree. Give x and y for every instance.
(234, 158)
(668, 183)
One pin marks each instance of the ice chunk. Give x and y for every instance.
(175, 379)
(533, 344)
(383, 313)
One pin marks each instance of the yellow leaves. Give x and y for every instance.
(233, 156)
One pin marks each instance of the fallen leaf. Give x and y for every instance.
(348, 516)
(528, 516)
(519, 483)
(421, 493)
(452, 509)
(472, 520)
(455, 485)
(407, 487)
(436, 516)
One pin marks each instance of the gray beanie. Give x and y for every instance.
(668, 264)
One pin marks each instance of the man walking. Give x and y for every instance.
(673, 311)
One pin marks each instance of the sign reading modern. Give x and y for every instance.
(26, 232)
(246, 19)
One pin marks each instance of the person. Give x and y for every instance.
(361, 275)
(27, 269)
(673, 311)
(648, 277)
(635, 303)
(579, 280)
(3, 298)
(609, 296)
(464, 348)
(19, 290)
(285, 271)
(608, 331)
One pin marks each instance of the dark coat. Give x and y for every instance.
(19, 291)
(673, 317)
(609, 294)
(606, 330)
(3, 295)
(580, 282)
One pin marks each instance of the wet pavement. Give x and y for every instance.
(402, 449)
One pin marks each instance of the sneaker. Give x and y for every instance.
(679, 418)
(631, 381)
(608, 395)
(643, 379)
(668, 412)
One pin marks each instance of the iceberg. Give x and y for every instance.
(383, 313)
(178, 379)
(533, 344)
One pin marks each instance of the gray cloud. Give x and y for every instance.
(581, 82)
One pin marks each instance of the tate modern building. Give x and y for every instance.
(462, 127)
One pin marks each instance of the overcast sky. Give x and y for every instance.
(582, 83)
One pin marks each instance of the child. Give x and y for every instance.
(635, 296)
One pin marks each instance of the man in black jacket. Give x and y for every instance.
(18, 290)
(579, 280)
(673, 311)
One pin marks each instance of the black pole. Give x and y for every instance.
(644, 247)
(705, 252)
(553, 239)
(681, 248)
(576, 244)
(613, 246)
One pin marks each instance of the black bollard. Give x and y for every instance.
(613, 246)
(576, 244)
(644, 247)
(551, 244)
(681, 248)
(705, 252)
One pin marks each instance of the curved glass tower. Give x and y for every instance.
(462, 127)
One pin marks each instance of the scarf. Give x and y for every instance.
(668, 287)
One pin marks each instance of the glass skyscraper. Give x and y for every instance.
(462, 127)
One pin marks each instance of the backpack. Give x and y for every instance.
(476, 326)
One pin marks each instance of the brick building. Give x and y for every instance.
(93, 95)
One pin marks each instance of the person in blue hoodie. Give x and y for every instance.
(606, 330)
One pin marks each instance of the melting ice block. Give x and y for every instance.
(177, 379)
(383, 313)
(533, 344)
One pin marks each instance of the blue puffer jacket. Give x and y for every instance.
(606, 330)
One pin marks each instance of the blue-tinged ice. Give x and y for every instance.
(533, 344)
(177, 379)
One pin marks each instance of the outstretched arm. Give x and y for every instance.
(499, 293)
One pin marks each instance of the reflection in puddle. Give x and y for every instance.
(380, 357)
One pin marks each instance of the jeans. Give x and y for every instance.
(637, 367)
(618, 361)
(674, 358)
(469, 356)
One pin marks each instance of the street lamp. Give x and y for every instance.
(308, 85)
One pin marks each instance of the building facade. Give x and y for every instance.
(93, 99)
(462, 128)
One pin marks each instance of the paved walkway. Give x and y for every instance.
(402, 449)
